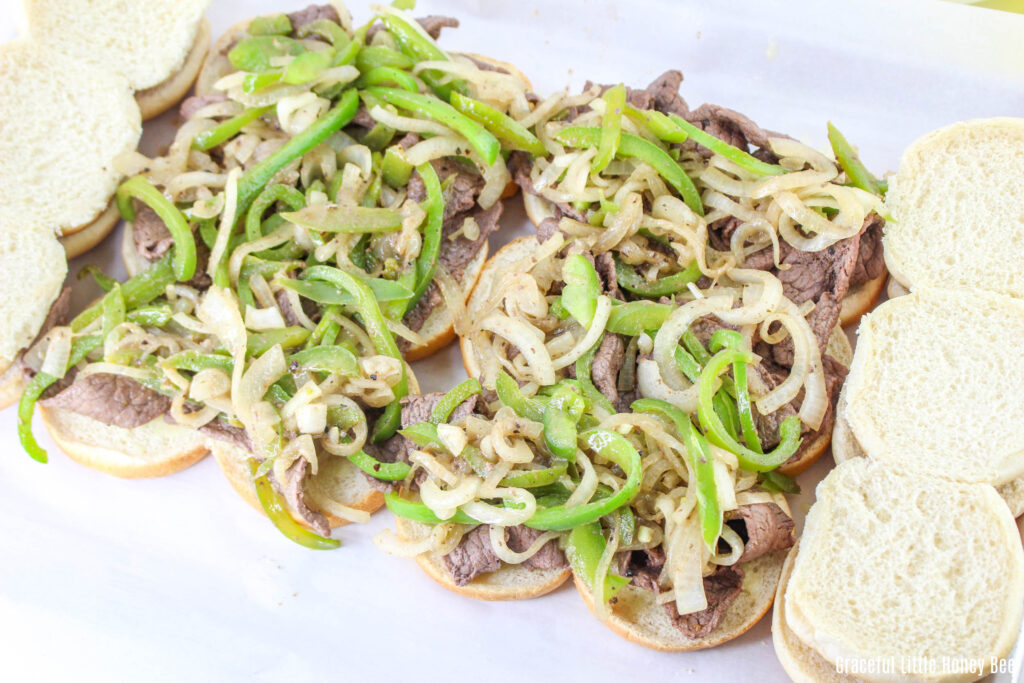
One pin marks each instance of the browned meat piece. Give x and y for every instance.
(642, 567)
(311, 14)
(730, 126)
(287, 312)
(764, 528)
(870, 258)
(607, 363)
(363, 118)
(294, 491)
(472, 557)
(433, 24)
(519, 165)
(222, 431)
(550, 556)
(111, 399)
(721, 588)
(547, 228)
(151, 236)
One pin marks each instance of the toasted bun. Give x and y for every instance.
(152, 450)
(162, 96)
(935, 385)
(958, 209)
(895, 567)
(639, 619)
(861, 300)
(336, 478)
(511, 582)
(64, 124)
(147, 42)
(78, 243)
(438, 329)
(33, 266)
(800, 661)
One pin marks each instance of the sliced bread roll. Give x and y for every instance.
(906, 570)
(958, 210)
(934, 388)
(158, 45)
(510, 582)
(64, 122)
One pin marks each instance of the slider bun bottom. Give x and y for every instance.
(162, 96)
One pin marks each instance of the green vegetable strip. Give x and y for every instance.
(694, 346)
(419, 512)
(421, 48)
(376, 327)
(256, 178)
(253, 54)
(611, 127)
(631, 281)
(423, 434)
(323, 293)
(384, 471)
(699, 456)
(332, 359)
(378, 57)
(637, 317)
(150, 316)
(559, 432)
(433, 227)
(80, 348)
(139, 187)
(509, 394)
(644, 151)
(583, 366)
(139, 290)
(453, 399)
(505, 128)
(282, 519)
(733, 154)
(531, 479)
(105, 282)
(194, 361)
(778, 482)
(789, 431)
(209, 139)
(328, 218)
(486, 145)
(687, 364)
(113, 310)
(259, 343)
(582, 287)
(856, 172)
(274, 24)
(746, 416)
(384, 75)
(584, 547)
(291, 197)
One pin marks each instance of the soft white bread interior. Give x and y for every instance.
(147, 41)
(904, 568)
(638, 618)
(155, 449)
(33, 267)
(934, 388)
(958, 210)
(510, 582)
(162, 96)
(64, 122)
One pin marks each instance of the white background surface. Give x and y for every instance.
(177, 578)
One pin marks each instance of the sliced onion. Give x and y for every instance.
(684, 562)
(406, 123)
(227, 221)
(528, 340)
(667, 339)
(509, 556)
(58, 352)
(445, 503)
(652, 385)
(762, 288)
(594, 332)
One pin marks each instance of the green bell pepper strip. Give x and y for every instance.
(252, 182)
(637, 317)
(331, 218)
(559, 432)
(105, 282)
(726, 411)
(325, 28)
(384, 75)
(584, 547)
(424, 435)
(453, 399)
(531, 479)
(509, 394)
(627, 524)
(582, 287)
(776, 482)
(687, 364)
(307, 66)
(699, 456)
(113, 310)
(694, 346)
(259, 343)
(270, 25)
(377, 56)
(255, 82)
(253, 54)
(282, 519)
(379, 137)
(734, 154)
(323, 328)
(415, 43)
(789, 431)
(272, 194)
(137, 291)
(184, 255)
(419, 512)
(213, 137)
(194, 361)
(856, 172)
(323, 293)
(395, 168)
(150, 316)
(383, 471)
(642, 150)
(433, 229)
(332, 359)
(376, 327)
(486, 145)
(632, 282)
(583, 367)
(80, 348)
(504, 127)
(611, 127)
(734, 340)
(567, 395)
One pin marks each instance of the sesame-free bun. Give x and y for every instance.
(957, 208)
(510, 582)
(78, 243)
(64, 122)
(162, 96)
(147, 42)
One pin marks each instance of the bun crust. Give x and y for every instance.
(161, 97)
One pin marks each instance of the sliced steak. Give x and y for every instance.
(193, 104)
(870, 258)
(151, 236)
(604, 264)
(433, 24)
(721, 588)
(607, 363)
(550, 556)
(547, 229)
(519, 165)
(312, 13)
(294, 491)
(363, 118)
(464, 188)
(643, 567)
(730, 126)
(287, 312)
(114, 400)
(764, 528)
(472, 557)
(222, 431)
